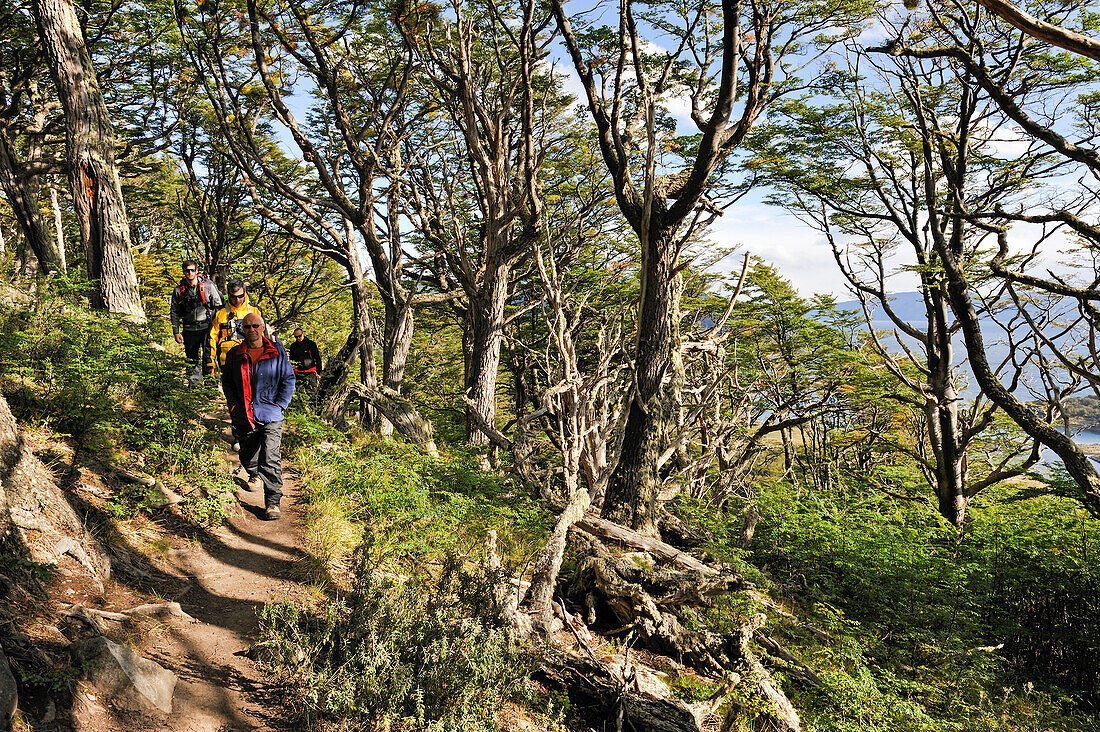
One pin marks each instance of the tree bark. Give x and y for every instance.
(90, 153)
(21, 190)
(397, 340)
(589, 683)
(942, 412)
(58, 225)
(486, 335)
(1052, 34)
(544, 575)
(26, 264)
(632, 491)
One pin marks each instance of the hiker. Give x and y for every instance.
(258, 382)
(225, 331)
(194, 302)
(307, 362)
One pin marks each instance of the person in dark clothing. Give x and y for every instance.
(258, 382)
(306, 360)
(194, 302)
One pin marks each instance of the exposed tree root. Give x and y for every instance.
(594, 684)
(652, 601)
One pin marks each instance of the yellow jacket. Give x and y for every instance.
(225, 331)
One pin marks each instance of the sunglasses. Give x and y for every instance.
(237, 297)
(251, 327)
(190, 269)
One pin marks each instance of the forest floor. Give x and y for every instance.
(222, 578)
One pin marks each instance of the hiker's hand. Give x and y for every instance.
(179, 338)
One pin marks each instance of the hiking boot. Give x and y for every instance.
(272, 513)
(255, 483)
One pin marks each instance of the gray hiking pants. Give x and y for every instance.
(261, 454)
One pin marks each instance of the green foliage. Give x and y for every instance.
(919, 614)
(416, 505)
(35, 571)
(98, 378)
(692, 688)
(423, 654)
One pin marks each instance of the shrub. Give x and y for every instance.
(416, 654)
(97, 378)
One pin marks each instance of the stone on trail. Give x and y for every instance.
(9, 693)
(124, 678)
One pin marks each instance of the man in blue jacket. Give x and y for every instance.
(258, 382)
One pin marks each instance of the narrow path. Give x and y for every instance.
(249, 563)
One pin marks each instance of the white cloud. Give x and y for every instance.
(801, 254)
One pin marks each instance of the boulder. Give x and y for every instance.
(9, 693)
(124, 678)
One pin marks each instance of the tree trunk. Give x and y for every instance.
(486, 335)
(90, 155)
(58, 225)
(26, 264)
(941, 410)
(632, 491)
(360, 343)
(944, 430)
(21, 190)
(397, 340)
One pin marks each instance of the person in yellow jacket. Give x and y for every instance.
(225, 331)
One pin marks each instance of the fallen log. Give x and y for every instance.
(590, 684)
(610, 530)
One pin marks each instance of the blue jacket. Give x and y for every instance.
(257, 392)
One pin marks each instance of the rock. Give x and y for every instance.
(125, 678)
(73, 548)
(9, 693)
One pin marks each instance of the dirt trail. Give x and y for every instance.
(248, 562)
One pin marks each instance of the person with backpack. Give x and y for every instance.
(258, 382)
(194, 302)
(306, 360)
(226, 332)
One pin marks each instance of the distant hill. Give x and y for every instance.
(910, 307)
